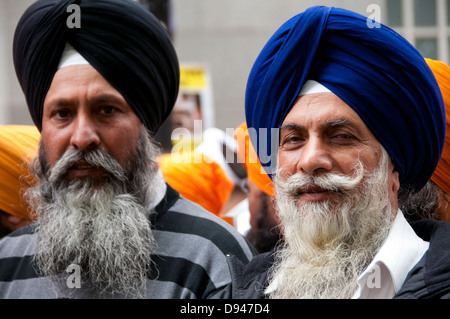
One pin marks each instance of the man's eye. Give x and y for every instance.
(343, 136)
(291, 139)
(61, 113)
(108, 109)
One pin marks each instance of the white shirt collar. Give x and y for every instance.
(397, 256)
(160, 188)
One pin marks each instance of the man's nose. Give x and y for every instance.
(84, 135)
(315, 157)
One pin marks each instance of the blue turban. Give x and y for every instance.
(123, 41)
(382, 77)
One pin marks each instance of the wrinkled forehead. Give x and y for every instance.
(315, 102)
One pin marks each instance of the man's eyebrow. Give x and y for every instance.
(291, 126)
(327, 124)
(337, 123)
(60, 102)
(108, 98)
(98, 99)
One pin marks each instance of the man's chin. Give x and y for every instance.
(333, 202)
(93, 182)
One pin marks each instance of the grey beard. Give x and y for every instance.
(328, 245)
(104, 229)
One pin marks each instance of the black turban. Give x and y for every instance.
(123, 41)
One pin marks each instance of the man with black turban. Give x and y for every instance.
(351, 114)
(107, 225)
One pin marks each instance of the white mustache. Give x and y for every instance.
(95, 158)
(300, 183)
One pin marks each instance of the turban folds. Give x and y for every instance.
(441, 175)
(382, 77)
(124, 42)
(18, 145)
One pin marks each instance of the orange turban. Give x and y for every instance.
(197, 178)
(18, 144)
(255, 171)
(441, 176)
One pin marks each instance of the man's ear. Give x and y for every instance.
(395, 177)
(394, 185)
(395, 182)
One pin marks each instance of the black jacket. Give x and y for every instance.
(429, 278)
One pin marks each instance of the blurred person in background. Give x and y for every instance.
(18, 145)
(433, 201)
(264, 232)
(199, 179)
(222, 149)
(183, 118)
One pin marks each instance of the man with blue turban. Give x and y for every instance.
(342, 115)
(107, 224)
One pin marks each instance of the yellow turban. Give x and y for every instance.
(247, 153)
(18, 144)
(441, 176)
(197, 178)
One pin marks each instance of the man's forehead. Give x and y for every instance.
(72, 76)
(327, 123)
(326, 105)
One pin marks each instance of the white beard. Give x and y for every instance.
(104, 229)
(329, 244)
